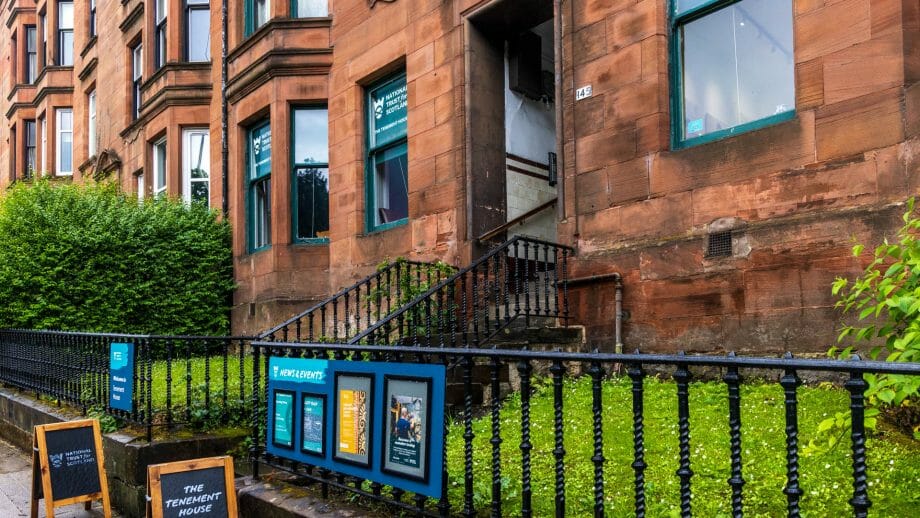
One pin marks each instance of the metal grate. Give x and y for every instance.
(720, 244)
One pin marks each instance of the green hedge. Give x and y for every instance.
(91, 258)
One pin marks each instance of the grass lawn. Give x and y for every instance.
(893, 458)
(212, 374)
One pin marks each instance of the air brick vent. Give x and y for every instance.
(720, 244)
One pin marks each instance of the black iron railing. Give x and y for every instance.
(524, 278)
(356, 308)
(464, 367)
(198, 380)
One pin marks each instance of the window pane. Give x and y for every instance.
(30, 133)
(311, 136)
(65, 15)
(261, 12)
(161, 46)
(66, 48)
(260, 151)
(159, 167)
(30, 39)
(65, 120)
(66, 152)
(388, 112)
(198, 161)
(312, 202)
(686, 5)
(138, 62)
(391, 185)
(160, 10)
(200, 192)
(262, 217)
(310, 8)
(199, 31)
(738, 66)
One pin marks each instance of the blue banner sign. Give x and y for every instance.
(297, 370)
(378, 421)
(121, 376)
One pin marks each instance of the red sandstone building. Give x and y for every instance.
(719, 154)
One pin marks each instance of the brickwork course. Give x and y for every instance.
(793, 194)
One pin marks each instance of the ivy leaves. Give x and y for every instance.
(886, 301)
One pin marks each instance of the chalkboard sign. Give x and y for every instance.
(200, 488)
(67, 466)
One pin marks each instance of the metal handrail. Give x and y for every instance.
(335, 297)
(519, 220)
(504, 247)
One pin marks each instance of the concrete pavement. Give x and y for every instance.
(15, 488)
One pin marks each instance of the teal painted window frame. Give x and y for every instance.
(249, 18)
(294, 11)
(250, 190)
(677, 73)
(370, 195)
(294, 166)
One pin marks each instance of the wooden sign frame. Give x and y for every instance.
(154, 487)
(41, 472)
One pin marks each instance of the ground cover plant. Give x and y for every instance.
(893, 458)
(91, 258)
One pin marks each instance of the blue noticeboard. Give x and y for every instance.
(121, 376)
(379, 421)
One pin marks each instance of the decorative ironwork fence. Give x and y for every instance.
(177, 379)
(464, 366)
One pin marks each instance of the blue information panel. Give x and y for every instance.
(375, 420)
(121, 376)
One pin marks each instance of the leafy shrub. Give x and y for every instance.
(90, 258)
(886, 299)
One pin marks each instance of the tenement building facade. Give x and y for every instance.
(720, 154)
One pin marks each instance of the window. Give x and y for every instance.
(44, 123)
(256, 14)
(65, 33)
(43, 22)
(734, 67)
(159, 39)
(311, 174)
(159, 168)
(92, 18)
(140, 186)
(309, 8)
(387, 181)
(30, 149)
(259, 170)
(91, 126)
(64, 143)
(13, 155)
(137, 60)
(196, 166)
(31, 55)
(198, 30)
